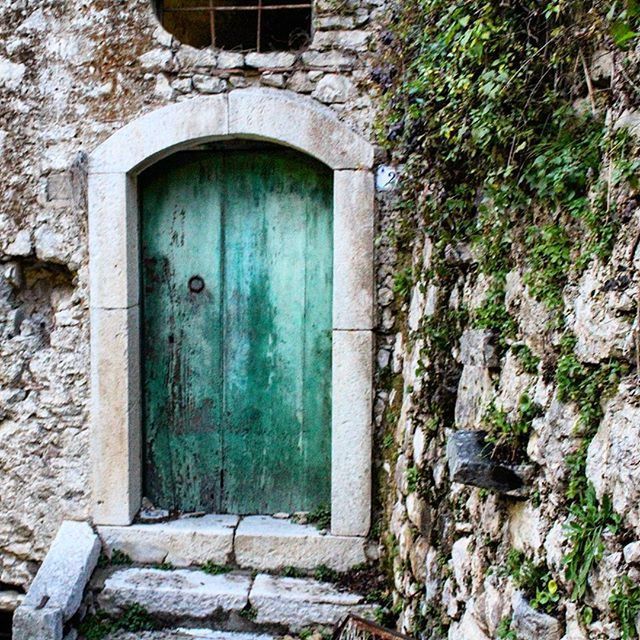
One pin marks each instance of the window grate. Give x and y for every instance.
(251, 26)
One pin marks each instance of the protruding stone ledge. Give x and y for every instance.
(471, 462)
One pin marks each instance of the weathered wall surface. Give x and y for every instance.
(71, 73)
(484, 329)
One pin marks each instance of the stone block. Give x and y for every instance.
(271, 60)
(31, 623)
(470, 462)
(301, 602)
(475, 391)
(478, 348)
(66, 569)
(183, 542)
(353, 240)
(113, 241)
(334, 88)
(10, 600)
(115, 415)
(267, 543)
(289, 119)
(180, 595)
(159, 133)
(351, 433)
(530, 624)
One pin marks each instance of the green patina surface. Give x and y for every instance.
(237, 377)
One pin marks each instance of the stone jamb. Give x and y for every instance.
(265, 114)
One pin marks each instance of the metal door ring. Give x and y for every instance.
(196, 284)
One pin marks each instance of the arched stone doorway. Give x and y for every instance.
(114, 230)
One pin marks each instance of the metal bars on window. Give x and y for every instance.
(215, 10)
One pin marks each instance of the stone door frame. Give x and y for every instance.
(270, 115)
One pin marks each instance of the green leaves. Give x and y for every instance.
(587, 523)
(625, 604)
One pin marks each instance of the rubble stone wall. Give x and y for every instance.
(71, 73)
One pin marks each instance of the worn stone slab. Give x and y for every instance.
(470, 462)
(176, 595)
(188, 634)
(66, 569)
(159, 133)
(116, 439)
(267, 543)
(297, 603)
(353, 240)
(30, 623)
(351, 433)
(183, 542)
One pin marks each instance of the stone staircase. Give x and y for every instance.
(210, 577)
(185, 600)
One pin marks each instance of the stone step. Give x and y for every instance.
(188, 634)
(263, 543)
(234, 601)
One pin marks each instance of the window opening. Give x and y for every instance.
(240, 25)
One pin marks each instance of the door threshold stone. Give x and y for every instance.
(252, 542)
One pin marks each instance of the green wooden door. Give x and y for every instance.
(236, 331)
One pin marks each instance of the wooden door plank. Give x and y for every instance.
(181, 359)
(270, 443)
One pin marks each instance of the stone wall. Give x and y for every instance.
(71, 73)
(457, 551)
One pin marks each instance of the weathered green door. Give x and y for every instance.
(236, 331)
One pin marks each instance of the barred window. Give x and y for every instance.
(238, 25)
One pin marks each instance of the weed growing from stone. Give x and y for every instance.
(325, 574)
(215, 569)
(587, 524)
(320, 517)
(625, 604)
(526, 358)
(119, 558)
(292, 572)
(535, 581)
(134, 618)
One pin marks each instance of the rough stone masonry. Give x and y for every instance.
(74, 71)
(71, 73)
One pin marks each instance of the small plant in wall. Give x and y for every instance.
(625, 604)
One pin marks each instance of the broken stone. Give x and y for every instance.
(632, 553)
(470, 462)
(613, 459)
(267, 543)
(209, 84)
(333, 88)
(180, 542)
(475, 391)
(11, 74)
(30, 622)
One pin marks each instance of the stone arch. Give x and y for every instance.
(262, 114)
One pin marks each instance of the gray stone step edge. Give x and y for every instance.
(264, 543)
(190, 597)
(58, 588)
